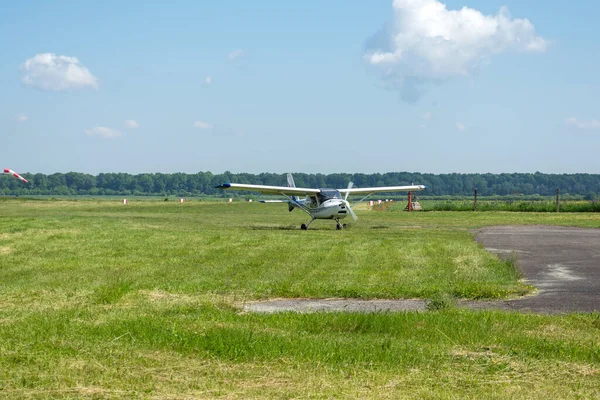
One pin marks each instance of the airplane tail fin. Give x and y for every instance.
(291, 183)
(294, 200)
(290, 180)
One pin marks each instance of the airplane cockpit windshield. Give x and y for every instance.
(328, 194)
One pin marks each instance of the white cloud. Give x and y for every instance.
(591, 124)
(461, 127)
(51, 72)
(426, 117)
(21, 117)
(131, 123)
(207, 80)
(103, 132)
(235, 54)
(426, 42)
(202, 125)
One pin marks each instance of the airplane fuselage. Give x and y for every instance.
(327, 204)
(330, 209)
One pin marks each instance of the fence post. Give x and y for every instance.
(557, 200)
(475, 200)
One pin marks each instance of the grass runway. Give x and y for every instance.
(101, 300)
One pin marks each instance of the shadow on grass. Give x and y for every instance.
(274, 228)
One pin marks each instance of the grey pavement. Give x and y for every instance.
(562, 263)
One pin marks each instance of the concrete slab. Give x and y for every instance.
(333, 305)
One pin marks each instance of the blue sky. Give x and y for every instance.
(312, 86)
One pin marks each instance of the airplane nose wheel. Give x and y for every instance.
(338, 225)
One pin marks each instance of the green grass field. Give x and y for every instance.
(100, 300)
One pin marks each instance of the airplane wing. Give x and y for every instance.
(383, 189)
(288, 191)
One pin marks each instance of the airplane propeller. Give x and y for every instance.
(354, 216)
(350, 184)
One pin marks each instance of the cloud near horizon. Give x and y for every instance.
(202, 125)
(426, 43)
(235, 54)
(103, 132)
(54, 73)
(591, 124)
(132, 124)
(21, 117)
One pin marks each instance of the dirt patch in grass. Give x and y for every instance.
(162, 296)
(167, 298)
(5, 250)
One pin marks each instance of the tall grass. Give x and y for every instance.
(544, 206)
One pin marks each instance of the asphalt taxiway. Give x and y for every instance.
(562, 263)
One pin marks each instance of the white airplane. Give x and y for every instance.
(319, 203)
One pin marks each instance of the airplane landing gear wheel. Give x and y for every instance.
(338, 227)
(303, 227)
(345, 225)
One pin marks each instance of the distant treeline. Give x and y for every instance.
(203, 183)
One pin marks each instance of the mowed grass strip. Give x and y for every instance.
(238, 250)
(101, 300)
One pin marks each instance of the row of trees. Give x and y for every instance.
(203, 183)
